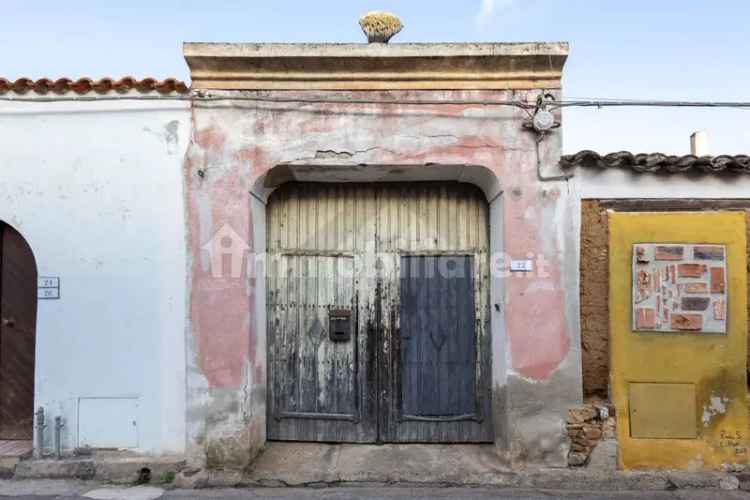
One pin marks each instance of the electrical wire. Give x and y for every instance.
(603, 103)
(280, 100)
(566, 103)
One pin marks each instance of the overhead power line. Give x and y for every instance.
(565, 103)
(603, 103)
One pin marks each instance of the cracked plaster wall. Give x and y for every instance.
(536, 366)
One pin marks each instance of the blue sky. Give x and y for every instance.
(658, 49)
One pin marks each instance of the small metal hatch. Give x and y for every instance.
(663, 411)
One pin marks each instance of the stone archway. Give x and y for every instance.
(342, 172)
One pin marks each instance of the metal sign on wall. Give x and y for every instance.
(48, 288)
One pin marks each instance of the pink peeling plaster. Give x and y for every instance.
(222, 313)
(536, 303)
(221, 306)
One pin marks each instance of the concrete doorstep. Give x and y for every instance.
(104, 466)
(310, 464)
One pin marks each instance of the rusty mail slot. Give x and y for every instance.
(340, 325)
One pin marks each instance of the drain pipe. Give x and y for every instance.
(58, 441)
(40, 426)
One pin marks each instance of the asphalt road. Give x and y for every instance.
(378, 493)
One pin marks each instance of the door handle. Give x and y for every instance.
(9, 322)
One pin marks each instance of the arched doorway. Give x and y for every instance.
(378, 313)
(18, 301)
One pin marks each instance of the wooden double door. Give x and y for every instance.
(378, 320)
(18, 300)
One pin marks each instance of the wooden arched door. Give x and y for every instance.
(378, 302)
(18, 300)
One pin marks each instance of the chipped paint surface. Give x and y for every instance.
(717, 405)
(236, 144)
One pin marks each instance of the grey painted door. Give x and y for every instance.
(438, 396)
(377, 298)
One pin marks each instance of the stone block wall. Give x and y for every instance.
(587, 425)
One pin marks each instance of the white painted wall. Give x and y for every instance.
(624, 183)
(96, 189)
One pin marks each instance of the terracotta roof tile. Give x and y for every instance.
(659, 162)
(85, 85)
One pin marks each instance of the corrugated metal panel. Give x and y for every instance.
(414, 217)
(426, 217)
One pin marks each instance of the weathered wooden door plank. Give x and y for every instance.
(320, 390)
(354, 391)
(425, 397)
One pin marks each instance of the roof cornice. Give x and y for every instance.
(658, 162)
(85, 85)
(432, 66)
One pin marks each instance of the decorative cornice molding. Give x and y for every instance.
(252, 66)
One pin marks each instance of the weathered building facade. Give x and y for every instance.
(395, 132)
(677, 200)
(347, 244)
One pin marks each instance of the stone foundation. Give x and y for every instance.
(587, 425)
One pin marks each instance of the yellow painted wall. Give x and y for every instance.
(715, 363)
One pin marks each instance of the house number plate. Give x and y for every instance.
(48, 288)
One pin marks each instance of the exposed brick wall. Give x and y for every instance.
(595, 280)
